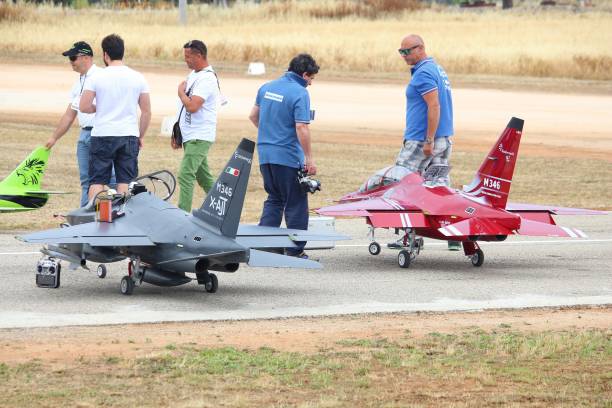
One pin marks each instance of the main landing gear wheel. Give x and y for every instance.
(127, 285)
(403, 259)
(212, 284)
(101, 271)
(374, 248)
(477, 258)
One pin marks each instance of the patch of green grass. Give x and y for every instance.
(230, 361)
(4, 370)
(370, 343)
(112, 360)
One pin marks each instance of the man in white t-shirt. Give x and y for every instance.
(81, 60)
(199, 98)
(118, 133)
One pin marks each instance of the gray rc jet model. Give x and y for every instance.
(164, 243)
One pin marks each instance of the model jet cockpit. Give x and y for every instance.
(384, 177)
(161, 184)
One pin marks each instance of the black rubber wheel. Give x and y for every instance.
(374, 248)
(59, 275)
(478, 258)
(213, 283)
(421, 244)
(127, 285)
(403, 259)
(101, 271)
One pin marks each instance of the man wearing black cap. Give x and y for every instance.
(81, 60)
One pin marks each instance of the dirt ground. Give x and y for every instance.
(63, 345)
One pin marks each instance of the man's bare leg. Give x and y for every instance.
(122, 188)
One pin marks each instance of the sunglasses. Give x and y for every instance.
(73, 57)
(406, 51)
(195, 46)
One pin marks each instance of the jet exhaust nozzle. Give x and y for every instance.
(229, 267)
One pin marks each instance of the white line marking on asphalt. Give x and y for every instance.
(582, 241)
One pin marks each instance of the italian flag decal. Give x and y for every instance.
(234, 172)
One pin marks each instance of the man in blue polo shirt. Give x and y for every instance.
(429, 113)
(282, 115)
(429, 110)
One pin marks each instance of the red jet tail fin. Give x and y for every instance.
(494, 178)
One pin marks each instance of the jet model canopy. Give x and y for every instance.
(384, 177)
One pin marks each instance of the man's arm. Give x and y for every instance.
(303, 134)
(192, 103)
(62, 127)
(433, 119)
(254, 116)
(86, 104)
(144, 102)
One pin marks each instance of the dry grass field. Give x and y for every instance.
(526, 41)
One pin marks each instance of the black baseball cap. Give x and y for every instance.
(78, 48)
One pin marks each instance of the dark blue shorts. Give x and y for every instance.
(104, 151)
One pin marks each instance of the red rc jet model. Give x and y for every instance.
(419, 206)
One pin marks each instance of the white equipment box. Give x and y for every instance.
(318, 225)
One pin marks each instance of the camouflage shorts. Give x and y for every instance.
(412, 157)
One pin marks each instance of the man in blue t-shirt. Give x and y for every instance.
(282, 115)
(429, 113)
(429, 110)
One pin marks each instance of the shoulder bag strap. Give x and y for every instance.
(183, 105)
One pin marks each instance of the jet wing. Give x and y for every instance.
(520, 208)
(357, 208)
(397, 219)
(541, 229)
(192, 258)
(92, 233)
(256, 236)
(268, 259)
(382, 213)
(474, 226)
(266, 241)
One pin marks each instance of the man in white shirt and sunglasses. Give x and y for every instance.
(80, 56)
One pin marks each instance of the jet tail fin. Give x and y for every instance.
(494, 177)
(28, 175)
(222, 206)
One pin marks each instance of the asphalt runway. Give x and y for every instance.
(520, 272)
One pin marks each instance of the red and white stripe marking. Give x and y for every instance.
(393, 203)
(574, 232)
(405, 219)
(450, 231)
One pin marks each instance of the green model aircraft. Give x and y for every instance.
(20, 191)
